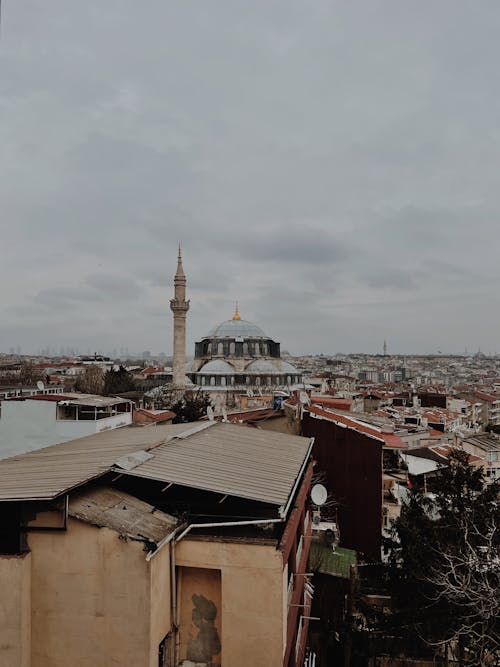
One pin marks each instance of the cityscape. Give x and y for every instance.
(249, 334)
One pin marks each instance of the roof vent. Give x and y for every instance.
(131, 461)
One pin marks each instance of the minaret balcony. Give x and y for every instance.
(177, 306)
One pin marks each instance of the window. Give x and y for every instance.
(164, 650)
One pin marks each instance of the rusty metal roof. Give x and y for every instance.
(224, 458)
(229, 459)
(130, 517)
(49, 472)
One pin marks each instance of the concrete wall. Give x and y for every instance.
(252, 610)
(15, 610)
(160, 611)
(92, 599)
(29, 425)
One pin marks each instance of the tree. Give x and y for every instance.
(445, 566)
(188, 407)
(118, 382)
(91, 381)
(29, 375)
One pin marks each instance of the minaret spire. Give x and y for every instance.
(179, 306)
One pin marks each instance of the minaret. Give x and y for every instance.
(179, 307)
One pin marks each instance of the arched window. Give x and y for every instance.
(212, 381)
(248, 379)
(245, 349)
(203, 379)
(232, 347)
(209, 348)
(223, 381)
(269, 380)
(232, 379)
(257, 349)
(220, 349)
(257, 381)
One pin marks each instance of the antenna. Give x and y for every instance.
(319, 494)
(40, 385)
(210, 413)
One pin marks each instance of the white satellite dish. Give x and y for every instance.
(210, 413)
(319, 494)
(304, 398)
(40, 385)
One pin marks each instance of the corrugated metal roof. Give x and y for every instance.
(47, 473)
(108, 507)
(92, 400)
(229, 459)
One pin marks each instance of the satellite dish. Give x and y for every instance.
(40, 385)
(319, 494)
(224, 415)
(304, 398)
(210, 413)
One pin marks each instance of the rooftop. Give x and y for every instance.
(223, 458)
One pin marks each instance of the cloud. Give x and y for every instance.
(329, 166)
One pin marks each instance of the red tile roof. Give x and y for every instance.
(389, 439)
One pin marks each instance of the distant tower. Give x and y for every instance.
(179, 307)
(385, 348)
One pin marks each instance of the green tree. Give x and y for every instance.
(118, 382)
(191, 407)
(445, 566)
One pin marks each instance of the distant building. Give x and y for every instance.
(31, 422)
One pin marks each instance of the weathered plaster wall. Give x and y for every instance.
(15, 611)
(200, 615)
(90, 599)
(159, 568)
(251, 632)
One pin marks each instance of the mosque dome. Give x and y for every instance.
(236, 328)
(217, 367)
(266, 367)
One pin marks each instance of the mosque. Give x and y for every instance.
(236, 358)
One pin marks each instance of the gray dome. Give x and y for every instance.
(287, 368)
(236, 329)
(216, 367)
(262, 366)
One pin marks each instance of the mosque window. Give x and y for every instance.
(245, 349)
(264, 348)
(269, 380)
(202, 379)
(212, 381)
(257, 381)
(232, 379)
(257, 349)
(223, 381)
(232, 347)
(220, 349)
(288, 380)
(248, 379)
(209, 348)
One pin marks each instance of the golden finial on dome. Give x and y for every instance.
(236, 315)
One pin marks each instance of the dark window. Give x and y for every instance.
(164, 652)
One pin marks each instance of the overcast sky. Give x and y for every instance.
(333, 166)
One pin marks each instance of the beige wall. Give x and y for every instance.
(15, 610)
(160, 601)
(200, 615)
(92, 595)
(252, 610)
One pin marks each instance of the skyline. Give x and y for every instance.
(333, 168)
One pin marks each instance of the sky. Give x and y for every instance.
(332, 166)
